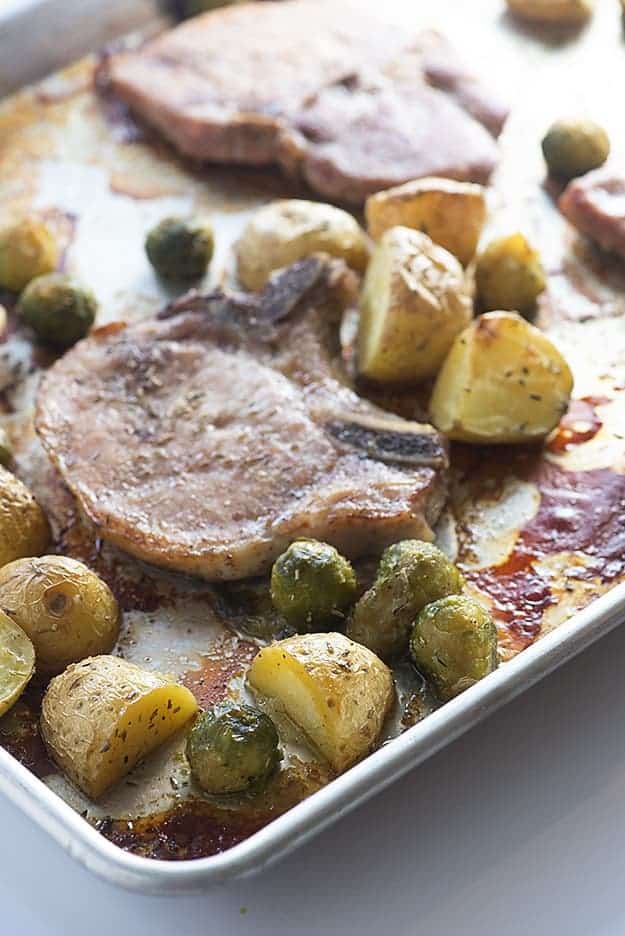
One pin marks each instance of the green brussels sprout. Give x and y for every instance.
(59, 310)
(179, 249)
(6, 449)
(233, 750)
(509, 275)
(411, 574)
(311, 585)
(573, 147)
(454, 644)
(27, 250)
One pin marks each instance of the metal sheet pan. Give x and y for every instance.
(25, 60)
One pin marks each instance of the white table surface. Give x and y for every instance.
(518, 828)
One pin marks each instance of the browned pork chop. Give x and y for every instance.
(350, 103)
(207, 440)
(595, 204)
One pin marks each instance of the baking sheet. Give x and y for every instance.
(76, 159)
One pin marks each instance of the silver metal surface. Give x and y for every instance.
(35, 37)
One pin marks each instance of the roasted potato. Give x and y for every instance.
(285, 231)
(67, 611)
(451, 213)
(337, 691)
(27, 249)
(564, 12)
(502, 381)
(414, 302)
(24, 530)
(102, 715)
(17, 662)
(509, 275)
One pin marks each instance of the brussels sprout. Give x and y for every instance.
(311, 585)
(233, 750)
(454, 644)
(59, 311)
(6, 449)
(411, 574)
(27, 250)
(509, 275)
(573, 147)
(179, 249)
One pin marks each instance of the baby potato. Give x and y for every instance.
(67, 611)
(285, 231)
(451, 213)
(102, 715)
(414, 301)
(336, 690)
(509, 275)
(565, 12)
(503, 381)
(24, 530)
(17, 662)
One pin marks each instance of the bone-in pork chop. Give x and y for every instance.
(207, 440)
(351, 104)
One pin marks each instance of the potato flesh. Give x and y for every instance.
(17, 662)
(451, 213)
(503, 381)
(288, 230)
(414, 302)
(102, 715)
(24, 530)
(337, 691)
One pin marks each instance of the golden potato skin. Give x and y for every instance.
(336, 690)
(287, 230)
(67, 611)
(566, 12)
(502, 382)
(414, 301)
(102, 715)
(451, 213)
(17, 662)
(509, 275)
(24, 529)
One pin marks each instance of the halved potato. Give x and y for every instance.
(285, 231)
(553, 11)
(451, 213)
(336, 690)
(102, 715)
(414, 302)
(17, 662)
(502, 381)
(24, 530)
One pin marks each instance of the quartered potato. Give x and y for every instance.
(451, 213)
(553, 11)
(24, 530)
(66, 609)
(336, 690)
(285, 231)
(503, 381)
(414, 302)
(102, 715)
(17, 662)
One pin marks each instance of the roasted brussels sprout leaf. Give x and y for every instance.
(574, 147)
(502, 382)
(337, 691)
(67, 611)
(58, 310)
(288, 230)
(102, 715)
(454, 644)
(311, 585)
(180, 249)
(17, 662)
(232, 750)
(411, 574)
(509, 275)
(24, 530)
(27, 250)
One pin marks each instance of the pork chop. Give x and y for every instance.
(207, 440)
(595, 205)
(351, 104)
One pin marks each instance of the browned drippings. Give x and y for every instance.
(20, 736)
(579, 424)
(209, 684)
